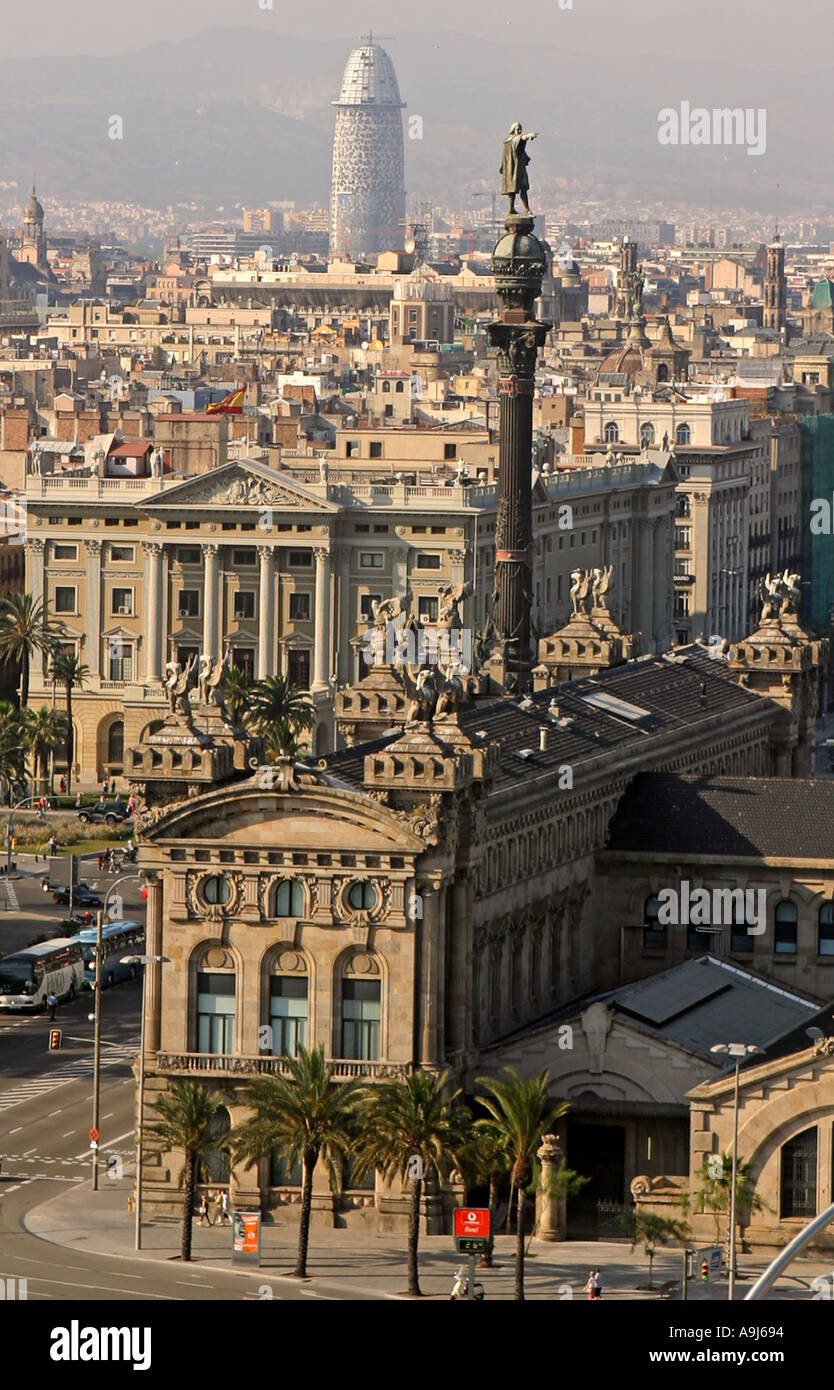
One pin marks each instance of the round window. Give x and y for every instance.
(362, 895)
(217, 889)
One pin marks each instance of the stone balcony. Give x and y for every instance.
(244, 1065)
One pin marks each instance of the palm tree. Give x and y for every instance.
(280, 740)
(646, 1229)
(275, 704)
(489, 1160)
(185, 1115)
(44, 730)
(26, 628)
(522, 1113)
(303, 1116)
(68, 671)
(12, 747)
(236, 689)
(413, 1129)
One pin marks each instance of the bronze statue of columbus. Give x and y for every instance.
(514, 161)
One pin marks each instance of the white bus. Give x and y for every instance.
(52, 967)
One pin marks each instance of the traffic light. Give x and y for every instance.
(704, 1272)
(54, 1040)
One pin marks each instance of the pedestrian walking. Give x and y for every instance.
(100, 863)
(53, 843)
(131, 804)
(218, 1208)
(597, 1284)
(104, 790)
(112, 786)
(62, 785)
(42, 807)
(79, 801)
(224, 1205)
(51, 1004)
(205, 1218)
(589, 1287)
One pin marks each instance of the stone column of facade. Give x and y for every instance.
(35, 551)
(550, 1206)
(153, 611)
(321, 662)
(518, 263)
(642, 612)
(399, 570)
(427, 991)
(459, 1005)
(94, 606)
(211, 600)
(153, 983)
(266, 612)
(341, 555)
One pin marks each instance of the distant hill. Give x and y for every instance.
(239, 115)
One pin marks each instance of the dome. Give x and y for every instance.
(369, 79)
(33, 212)
(518, 246)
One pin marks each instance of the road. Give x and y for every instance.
(45, 1116)
(27, 912)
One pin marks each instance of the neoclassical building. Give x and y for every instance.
(144, 570)
(418, 899)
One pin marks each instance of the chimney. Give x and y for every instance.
(542, 740)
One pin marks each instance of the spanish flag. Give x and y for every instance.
(230, 405)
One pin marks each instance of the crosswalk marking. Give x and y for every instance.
(70, 1071)
(11, 903)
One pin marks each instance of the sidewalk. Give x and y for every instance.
(346, 1262)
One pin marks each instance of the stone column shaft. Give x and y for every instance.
(153, 613)
(153, 985)
(266, 605)
(211, 600)
(321, 654)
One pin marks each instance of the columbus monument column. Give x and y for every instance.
(518, 263)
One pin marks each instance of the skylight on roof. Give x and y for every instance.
(611, 704)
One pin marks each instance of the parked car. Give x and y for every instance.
(82, 896)
(110, 812)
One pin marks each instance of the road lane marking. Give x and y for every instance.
(68, 1134)
(16, 1129)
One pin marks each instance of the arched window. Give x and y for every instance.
(654, 931)
(784, 936)
(288, 900)
(288, 1013)
(361, 1009)
(825, 943)
(362, 896)
(386, 387)
(798, 1175)
(663, 372)
(216, 1011)
(646, 435)
(400, 387)
(683, 434)
(116, 743)
(214, 1161)
(612, 432)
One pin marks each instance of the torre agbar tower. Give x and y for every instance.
(367, 202)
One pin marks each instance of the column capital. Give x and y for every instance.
(321, 553)
(210, 549)
(36, 545)
(266, 552)
(93, 547)
(457, 557)
(152, 548)
(400, 555)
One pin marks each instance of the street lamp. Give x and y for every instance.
(146, 961)
(101, 917)
(739, 1051)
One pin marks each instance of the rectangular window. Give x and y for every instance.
(215, 1013)
(798, 1177)
(65, 598)
(189, 554)
(298, 669)
(64, 552)
(244, 557)
(122, 602)
(427, 560)
(351, 448)
(244, 659)
(361, 1017)
(188, 603)
(299, 608)
(300, 559)
(244, 604)
(119, 661)
(427, 608)
(184, 654)
(366, 602)
(123, 554)
(450, 451)
(371, 560)
(376, 449)
(288, 1014)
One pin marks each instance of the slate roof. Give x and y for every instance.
(738, 816)
(675, 695)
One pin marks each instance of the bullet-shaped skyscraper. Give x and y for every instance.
(367, 203)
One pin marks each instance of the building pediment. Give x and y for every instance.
(244, 483)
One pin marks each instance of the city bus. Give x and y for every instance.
(117, 939)
(52, 967)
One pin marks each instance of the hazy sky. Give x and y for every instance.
(768, 35)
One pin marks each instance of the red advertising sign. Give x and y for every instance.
(472, 1222)
(246, 1232)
